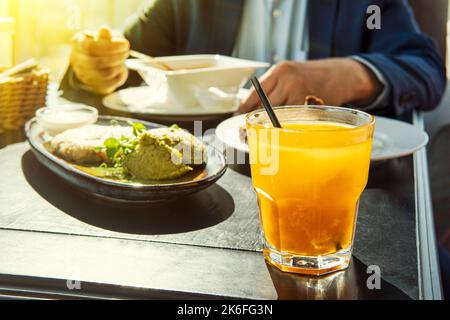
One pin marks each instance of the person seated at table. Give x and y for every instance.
(331, 49)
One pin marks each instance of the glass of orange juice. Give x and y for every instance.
(308, 177)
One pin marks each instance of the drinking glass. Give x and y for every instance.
(308, 177)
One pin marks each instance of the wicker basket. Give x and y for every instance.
(20, 96)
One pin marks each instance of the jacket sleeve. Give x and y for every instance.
(407, 58)
(151, 29)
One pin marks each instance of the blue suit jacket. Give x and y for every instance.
(407, 58)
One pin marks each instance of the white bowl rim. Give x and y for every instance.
(70, 107)
(245, 64)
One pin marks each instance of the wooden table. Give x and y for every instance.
(52, 235)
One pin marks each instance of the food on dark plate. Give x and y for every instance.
(80, 145)
(131, 152)
(172, 151)
(166, 161)
(309, 101)
(194, 150)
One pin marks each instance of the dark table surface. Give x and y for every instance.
(202, 246)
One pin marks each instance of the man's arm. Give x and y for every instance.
(151, 30)
(391, 70)
(407, 58)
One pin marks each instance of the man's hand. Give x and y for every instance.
(98, 61)
(337, 81)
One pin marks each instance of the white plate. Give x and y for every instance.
(150, 101)
(392, 139)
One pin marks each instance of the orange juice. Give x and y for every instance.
(308, 178)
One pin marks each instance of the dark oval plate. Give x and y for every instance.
(201, 178)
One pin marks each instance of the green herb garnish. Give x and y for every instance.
(138, 128)
(117, 150)
(174, 127)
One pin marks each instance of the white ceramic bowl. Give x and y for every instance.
(57, 119)
(198, 80)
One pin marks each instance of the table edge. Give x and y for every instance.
(430, 287)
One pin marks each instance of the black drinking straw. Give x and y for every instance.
(266, 103)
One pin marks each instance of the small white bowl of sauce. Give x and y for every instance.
(55, 120)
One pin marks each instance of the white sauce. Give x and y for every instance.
(55, 121)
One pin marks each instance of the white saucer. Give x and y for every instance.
(392, 139)
(153, 102)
